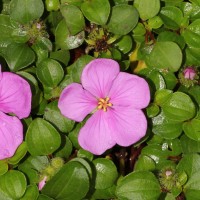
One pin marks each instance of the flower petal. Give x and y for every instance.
(15, 95)
(128, 125)
(95, 136)
(11, 135)
(129, 90)
(98, 75)
(76, 103)
(42, 183)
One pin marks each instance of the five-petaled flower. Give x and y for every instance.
(15, 98)
(115, 100)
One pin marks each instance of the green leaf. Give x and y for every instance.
(44, 197)
(154, 78)
(6, 28)
(31, 193)
(138, 185)
(166, 55)
(161, 96)
(71, 182)
(125, 44)
(3, 167)
(147, 9)
(192, 34)
(66, 41)
(54, 116)
(145, 163)
(155, 22)
(189, 163)
(192, 56)
(62, 56)
(74, 24)
(127, 14)
(179, 107)
(192, 129)
(173, 37)
(170, 79)
(171, 16)
(106, 173)
(72, 2)
(12, 185)
(18, 56)
(25, 11)
(152, 110)
(166, 127)
(85, 154)
(73, 135)
(189, 145)
(155, 152)
(96, 11)
(192, 187)
(36, 163)
(42, 138)
(108, 193)
(19, 154)
(65, 149)
(50, 72)
(31, 166)
(78, 67)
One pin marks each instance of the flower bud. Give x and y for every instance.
(57, 163)
(42, 183)
(189, 73)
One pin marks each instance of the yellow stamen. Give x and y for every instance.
(104, 104)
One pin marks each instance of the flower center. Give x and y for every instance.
(104, 104)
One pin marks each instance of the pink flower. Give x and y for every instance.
(189, 73)
(42, 183)
(115, 98)
(15, 97)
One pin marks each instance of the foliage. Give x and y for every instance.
(49, 42)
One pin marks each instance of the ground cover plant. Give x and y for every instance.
(99, 99)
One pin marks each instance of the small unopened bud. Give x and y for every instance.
(189, 73)
(50, 171)
(57, 162)
(42, 183)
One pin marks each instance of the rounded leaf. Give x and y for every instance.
(192, 187)
(189, 163)
(66, 41)
(145, 163)
(120, 14)
(3, 167)
(19, 154)
(166, 55)
(179, 107)
(53, 115)
(192, 34)
(172, 17)
(189, 145)
(71, 182)
(192, 129)
(50, 72)
(147, 9)
(31, 193)
(96, 11)
(18, 56)
(106, 173)
(125, 44)
(138, 185)
(25, 11)
(42, 138)
(12, 185)
(74, 24)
